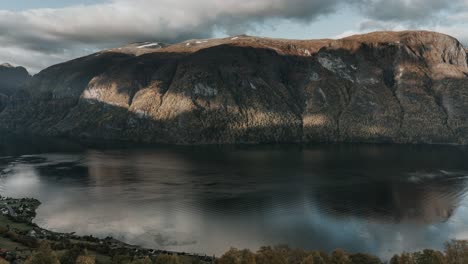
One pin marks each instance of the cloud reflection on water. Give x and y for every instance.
(207, 199)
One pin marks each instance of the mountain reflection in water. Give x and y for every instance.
(375, 199)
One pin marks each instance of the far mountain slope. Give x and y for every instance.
(11, 79)
(404, 87)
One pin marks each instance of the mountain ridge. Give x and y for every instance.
(11, 79)
(400, 87)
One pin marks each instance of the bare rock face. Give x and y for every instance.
(11, 79)
(402, 87)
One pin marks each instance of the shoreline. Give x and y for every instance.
(105, 142)
(18, 230)
(20, 239)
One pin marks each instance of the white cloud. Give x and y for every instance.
(40, 37)
(442, 16)
(65, 32)
(414, 11)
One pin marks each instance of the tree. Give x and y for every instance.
(167, 259)
(429, 256)
(456, 252)
(339, 257)
(44, 255)
(314, 257)
(318, 259)
(267, 255)
(360, 258)
(404, 258)
(308, 260)
(121, 259)
(297, 256)
(230, 257)
(86, 260)
(235, 256)
(146, 260)
(247, 257)
(71, 255)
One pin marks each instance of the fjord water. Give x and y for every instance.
(377, 199)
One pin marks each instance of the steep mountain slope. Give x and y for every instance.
(404, 87)
(11, 78)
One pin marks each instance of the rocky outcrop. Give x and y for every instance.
(402, 87)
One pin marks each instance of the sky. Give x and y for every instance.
(40, 33)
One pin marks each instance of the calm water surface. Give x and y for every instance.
(375, 199)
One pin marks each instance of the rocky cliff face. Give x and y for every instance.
(11, 79)
(404, 87)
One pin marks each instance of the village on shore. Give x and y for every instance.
(20, 237)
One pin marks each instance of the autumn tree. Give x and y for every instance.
(268, 255)
(360, 258)
(429, 256)
(404, 258)
(235, 256)
(308, 260)
(71, 255)
(456, 252)
(339, 256)
(86, 260)
(167, 259)
(146, 260)
(44, 255)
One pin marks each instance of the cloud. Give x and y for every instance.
(449, 17)
(456, 28)
(52, 35)
(133, 20)
(56, 32)
(412, 11)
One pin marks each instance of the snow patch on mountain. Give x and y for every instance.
(150, 45)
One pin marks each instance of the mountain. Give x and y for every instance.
(11, 79)
(402, 87)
